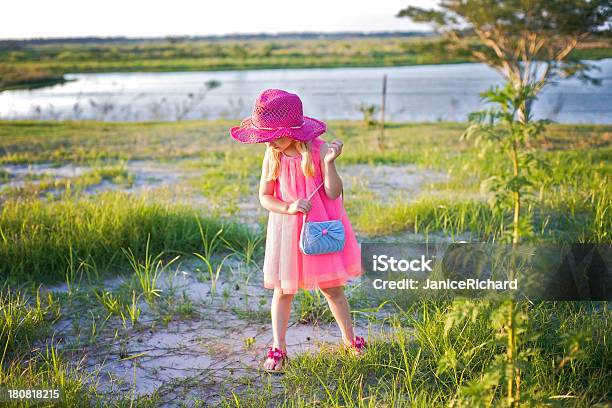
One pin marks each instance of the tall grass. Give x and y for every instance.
(213, 269)
(249, 251)
(147, 271)
(24, 320)
(430, 215)
(38, 236)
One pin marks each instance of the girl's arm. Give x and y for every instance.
(331, 179)
(271, 203)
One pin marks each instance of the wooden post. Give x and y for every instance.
(381, 138)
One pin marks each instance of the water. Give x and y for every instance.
(418, 93)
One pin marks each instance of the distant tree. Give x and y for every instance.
(239, 51)
(175, 39)
(527, 41)
(268, 47)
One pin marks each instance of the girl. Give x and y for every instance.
(299, 165)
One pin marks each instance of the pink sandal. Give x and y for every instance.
(357, 345)
(277, 355)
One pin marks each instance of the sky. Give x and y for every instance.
(153, 18)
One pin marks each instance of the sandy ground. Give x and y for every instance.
(218, 347)
(214, 350)
(387, 182)
(147, 174)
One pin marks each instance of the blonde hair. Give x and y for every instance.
(274, 158)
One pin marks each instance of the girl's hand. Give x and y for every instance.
(334, 149)
(301, 205)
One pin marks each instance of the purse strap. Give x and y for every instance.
(313, 193)
(316, 189)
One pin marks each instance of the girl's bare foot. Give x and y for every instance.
(276, 358)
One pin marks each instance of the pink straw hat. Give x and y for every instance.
(277, 113)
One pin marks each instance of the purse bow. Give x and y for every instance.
(333, 230)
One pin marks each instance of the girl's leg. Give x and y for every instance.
(281, 309)
(340, 309)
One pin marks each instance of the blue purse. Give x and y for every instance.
(321, 237)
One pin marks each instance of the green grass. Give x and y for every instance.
(35, 65)
(422, 364)
(42, 240)
(24, 142)
(25, 321)
(32, 358)
(570, 202)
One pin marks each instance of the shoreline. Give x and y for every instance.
(169, 68)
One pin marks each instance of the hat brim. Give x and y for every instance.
(247, 133)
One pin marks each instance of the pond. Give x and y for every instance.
(415, 93)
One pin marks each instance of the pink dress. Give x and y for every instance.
(285, 266)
